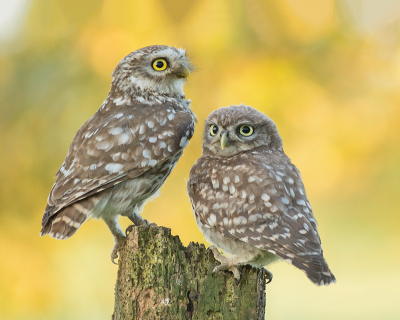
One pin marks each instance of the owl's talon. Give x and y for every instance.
(269, 276)
(129, 229)
(114, 255)
(119, 242)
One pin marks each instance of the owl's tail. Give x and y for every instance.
(316, 269)
(66, 222)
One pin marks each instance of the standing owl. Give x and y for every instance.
(248, 198)
(123, 154)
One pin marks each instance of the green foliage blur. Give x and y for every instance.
(327, 72)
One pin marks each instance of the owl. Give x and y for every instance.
(124, 153)
(249, 200)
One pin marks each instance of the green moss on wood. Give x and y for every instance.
(158, 278)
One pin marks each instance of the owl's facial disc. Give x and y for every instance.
(231, 130)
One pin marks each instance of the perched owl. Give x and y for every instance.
(248, 198)
(123, 154)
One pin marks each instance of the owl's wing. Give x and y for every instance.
(111, 148)
(260, 200)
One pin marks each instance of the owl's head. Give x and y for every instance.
(234, 129)
(160, 69)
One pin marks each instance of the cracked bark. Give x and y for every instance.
(159, 278)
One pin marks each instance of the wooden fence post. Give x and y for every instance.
(159, 278)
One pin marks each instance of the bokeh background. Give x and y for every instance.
(327, 72)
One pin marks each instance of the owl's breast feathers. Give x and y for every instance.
(118, 144)
(258, 197)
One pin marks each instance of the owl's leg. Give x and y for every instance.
(118, 234)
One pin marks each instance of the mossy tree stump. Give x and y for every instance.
(159, 278)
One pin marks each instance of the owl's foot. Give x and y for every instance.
(143, 223)
(118, 244)
(138, 220)
(228, 264)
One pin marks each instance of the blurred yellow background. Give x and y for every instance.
(327, 72)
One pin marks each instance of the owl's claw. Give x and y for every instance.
(268, 275)
(116, 249)
(129, 230)
(114, 255)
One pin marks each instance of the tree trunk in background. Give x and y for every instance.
(159, 278)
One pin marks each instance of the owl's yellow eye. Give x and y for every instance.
(246, 130)
(213, 129)
(160, 64)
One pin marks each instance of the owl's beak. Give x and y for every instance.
(224, 139)
(183, 72)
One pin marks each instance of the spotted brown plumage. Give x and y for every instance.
(248, 198)
(123, 154)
